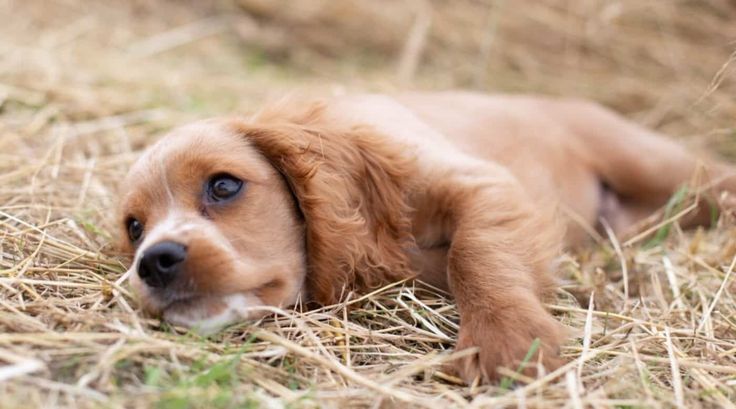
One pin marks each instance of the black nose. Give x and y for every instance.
(161, 263)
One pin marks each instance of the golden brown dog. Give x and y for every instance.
(462, 190)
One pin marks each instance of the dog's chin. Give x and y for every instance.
(205, 315)
(210, 314)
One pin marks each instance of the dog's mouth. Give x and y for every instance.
(205, 314)
(154, 301)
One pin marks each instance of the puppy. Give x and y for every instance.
(472, 193)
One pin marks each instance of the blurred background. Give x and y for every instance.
(664, 63)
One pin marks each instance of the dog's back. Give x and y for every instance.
(591, 161)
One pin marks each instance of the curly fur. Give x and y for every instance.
(351, 186)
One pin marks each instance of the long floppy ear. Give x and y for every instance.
(352, 185)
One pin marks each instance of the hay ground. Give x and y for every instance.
(85, 86)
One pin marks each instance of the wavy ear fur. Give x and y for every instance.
(352, 185)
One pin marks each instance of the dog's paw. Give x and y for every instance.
(506, 342)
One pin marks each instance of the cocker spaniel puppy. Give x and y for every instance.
(472, 193)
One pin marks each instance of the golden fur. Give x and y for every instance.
(461, 190)
(352, 187)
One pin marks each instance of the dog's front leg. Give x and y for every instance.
(501, 254)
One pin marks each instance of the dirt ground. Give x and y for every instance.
(85, 86)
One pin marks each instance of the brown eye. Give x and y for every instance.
(135, 229)
(223, 187)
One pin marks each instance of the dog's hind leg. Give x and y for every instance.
(642, 168)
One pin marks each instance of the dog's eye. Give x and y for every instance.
(223, 187)
(135, 229)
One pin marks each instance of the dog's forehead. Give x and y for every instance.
(210, 144)
(194, 141)
(190, 153)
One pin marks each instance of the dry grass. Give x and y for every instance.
(85, 86)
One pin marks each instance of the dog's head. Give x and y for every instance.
(223, 215)
(213, 227)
